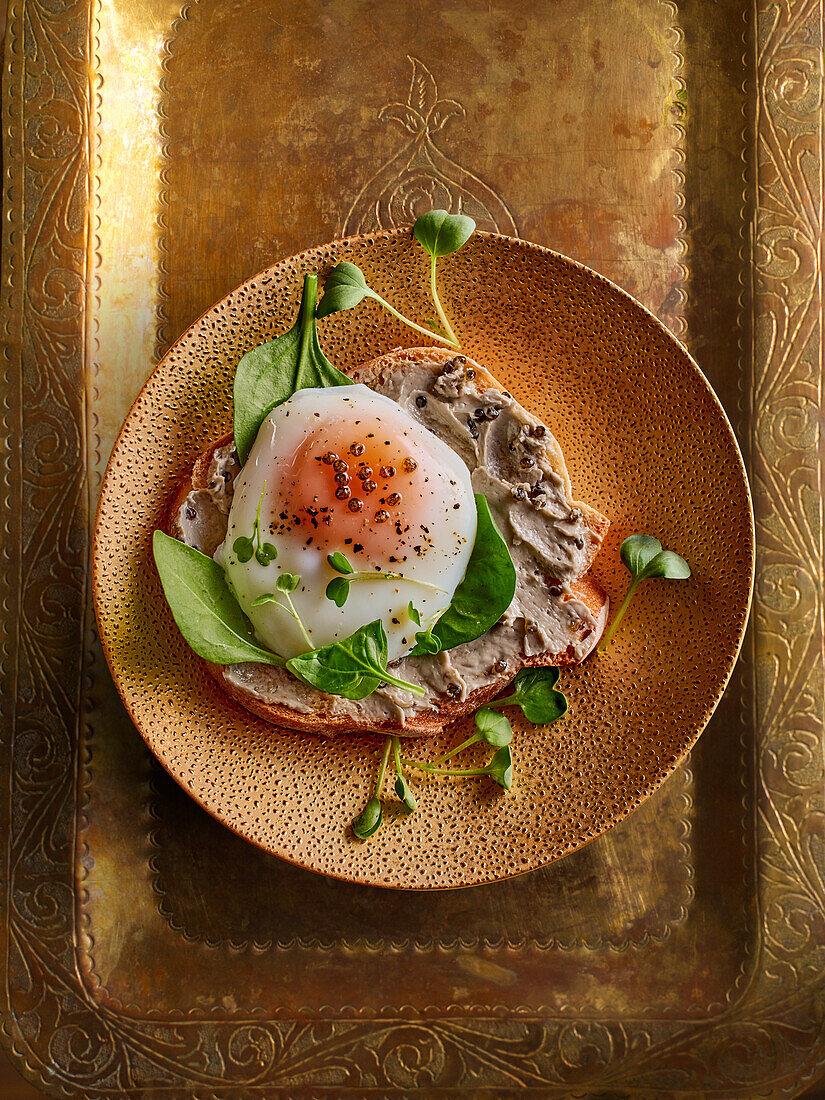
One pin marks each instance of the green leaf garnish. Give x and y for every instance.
(440, 234)
(207, 613)
(346, 286)
(340, 563)
(286, 583)
(494, 728)
(484, 594)
(353, 667)
(644, 557)
(267, 375)
(414, 614)
(499, 767)
(243, 549)
(369, 820)
(534, 690)
(338, 591)
(402, 787)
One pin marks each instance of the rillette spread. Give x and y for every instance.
(514, 462)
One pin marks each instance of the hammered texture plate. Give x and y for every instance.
(647, 444)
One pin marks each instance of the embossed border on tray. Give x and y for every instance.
(66, 1041)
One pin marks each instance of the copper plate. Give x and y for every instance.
(647, 443)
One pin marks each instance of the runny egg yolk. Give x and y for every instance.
(355, 485)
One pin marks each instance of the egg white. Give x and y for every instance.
(442, 564)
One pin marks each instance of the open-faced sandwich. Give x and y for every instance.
(418, 507)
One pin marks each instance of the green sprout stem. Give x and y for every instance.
(257, 532)
(617, 618)
(403, 684)
(291, 611)
(382, 769)
(396, 749)
(427, 332)
(422, 767)
(441, 315)
(366, 576)
(459, 748)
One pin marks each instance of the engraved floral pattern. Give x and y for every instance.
(769, 1039)
(420, 177)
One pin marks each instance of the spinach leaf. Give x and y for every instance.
(353, 667)
(267, 375)
(644, 557)
(484, 594)
(534, 690)
(207, 614)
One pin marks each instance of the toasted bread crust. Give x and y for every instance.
(445, 709)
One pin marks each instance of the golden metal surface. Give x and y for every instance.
(681, 953)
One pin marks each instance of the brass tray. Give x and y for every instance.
(156, 155)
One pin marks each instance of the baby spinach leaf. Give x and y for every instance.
(441, 233)
(346, 286)
(484, 594)
(207, 613)
(353, 667)
(534, 690)
(644, 557)
(267, 375)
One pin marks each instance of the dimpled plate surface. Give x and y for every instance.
(646, 442)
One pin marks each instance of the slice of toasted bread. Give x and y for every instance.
(328, 715)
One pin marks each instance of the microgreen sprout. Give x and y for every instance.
(644, 557)
(402, 787)
(244, 547)
(370, 818)
(440, 234)
(493, 728)
(346, 286)
(534, 690)
(499, 767)
(286, 583)
(338, 588)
